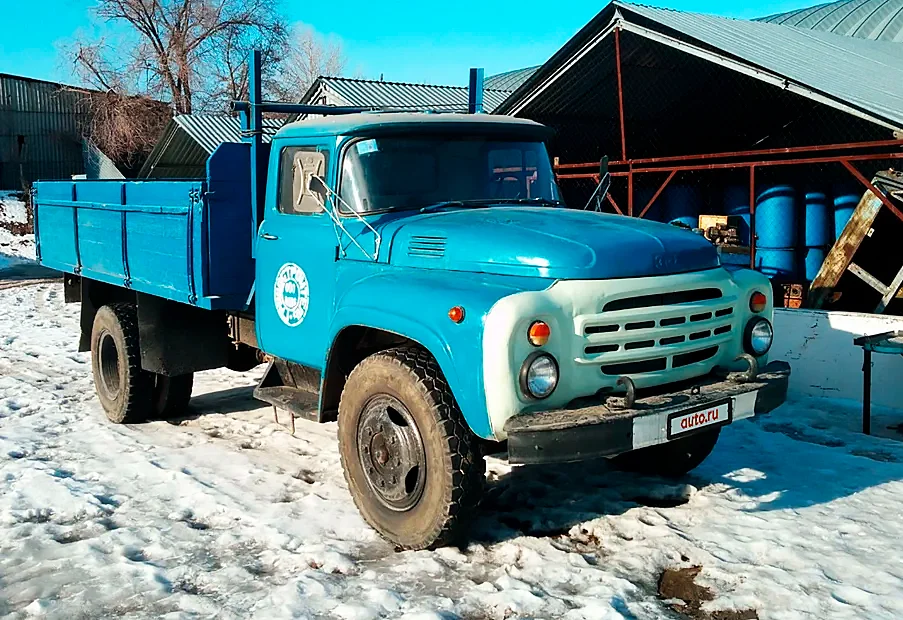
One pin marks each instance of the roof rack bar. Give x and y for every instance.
(296, 108)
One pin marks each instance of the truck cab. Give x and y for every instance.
(419, 278)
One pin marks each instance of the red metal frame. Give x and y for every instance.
(620, 94)
(844, 154)
(844, 146)
(880, 195)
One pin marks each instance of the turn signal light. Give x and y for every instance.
(538, 334)
(757, 302)
(456, 314)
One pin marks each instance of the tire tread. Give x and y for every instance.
(466, 466)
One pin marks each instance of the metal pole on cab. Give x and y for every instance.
(475, 92)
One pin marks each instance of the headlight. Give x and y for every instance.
(758, 337)
(539, 376)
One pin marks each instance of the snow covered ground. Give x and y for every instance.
(225, 514)
(12, 247)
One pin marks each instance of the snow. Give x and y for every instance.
(226, 514)
(13, 247)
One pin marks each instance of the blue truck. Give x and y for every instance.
(419, 278)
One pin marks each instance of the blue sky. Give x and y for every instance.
(405, 40)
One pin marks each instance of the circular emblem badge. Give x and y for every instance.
(291, 294)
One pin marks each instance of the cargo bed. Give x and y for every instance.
(184, 240)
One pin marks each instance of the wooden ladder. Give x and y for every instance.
(861, 227)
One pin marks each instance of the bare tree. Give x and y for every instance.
(309, 55)
(124, 127)
(186, 51)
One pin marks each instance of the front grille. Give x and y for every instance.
(652, 333)
(663, 299)
(685, 359)
(636, 368)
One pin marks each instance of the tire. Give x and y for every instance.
(670, 460)
(123, 388)
(171, 395)
(399, 398)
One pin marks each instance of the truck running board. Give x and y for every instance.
(287, 386)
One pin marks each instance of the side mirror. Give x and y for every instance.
(315, 185)
(602, 189)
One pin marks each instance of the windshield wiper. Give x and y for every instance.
(461, 204)
(488, 202)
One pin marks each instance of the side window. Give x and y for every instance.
(297, 165)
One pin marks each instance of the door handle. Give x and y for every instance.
(268, 236)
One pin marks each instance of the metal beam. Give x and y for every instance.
(795, 150)
(877, 192)
(658, 193)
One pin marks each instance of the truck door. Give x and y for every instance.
(296, 254)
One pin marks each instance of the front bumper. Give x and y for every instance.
(604, 429)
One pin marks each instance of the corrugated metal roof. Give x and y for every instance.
(510, 80)
(189, 139)
(865, 74)
(404, 96)
(877, 20)
(211, 130)
(850, 74)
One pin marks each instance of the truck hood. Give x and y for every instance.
(545, 242)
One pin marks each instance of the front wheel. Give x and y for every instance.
(413, 467)
(670, 460)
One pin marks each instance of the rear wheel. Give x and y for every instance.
(413, 467)
(123, 388)
(673, 459)
(171, 395)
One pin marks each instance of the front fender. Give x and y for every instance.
(415, 303)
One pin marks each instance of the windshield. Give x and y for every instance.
(414, 172)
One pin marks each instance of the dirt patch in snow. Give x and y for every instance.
(678, 586)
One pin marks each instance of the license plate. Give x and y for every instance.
(686, 422)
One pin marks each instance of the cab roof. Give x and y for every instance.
(376, 123)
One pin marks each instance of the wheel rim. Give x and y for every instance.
(391, 452)
(109, 365)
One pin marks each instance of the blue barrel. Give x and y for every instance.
(776, 219)
(845, 202)
(819, 221)
(814, 257)
(777, 262)
(736, 202)
(682, 204)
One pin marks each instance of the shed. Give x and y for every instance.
(189, 139)
(40, 130)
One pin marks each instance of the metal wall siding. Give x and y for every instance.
(49, 118)
(877, 20)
